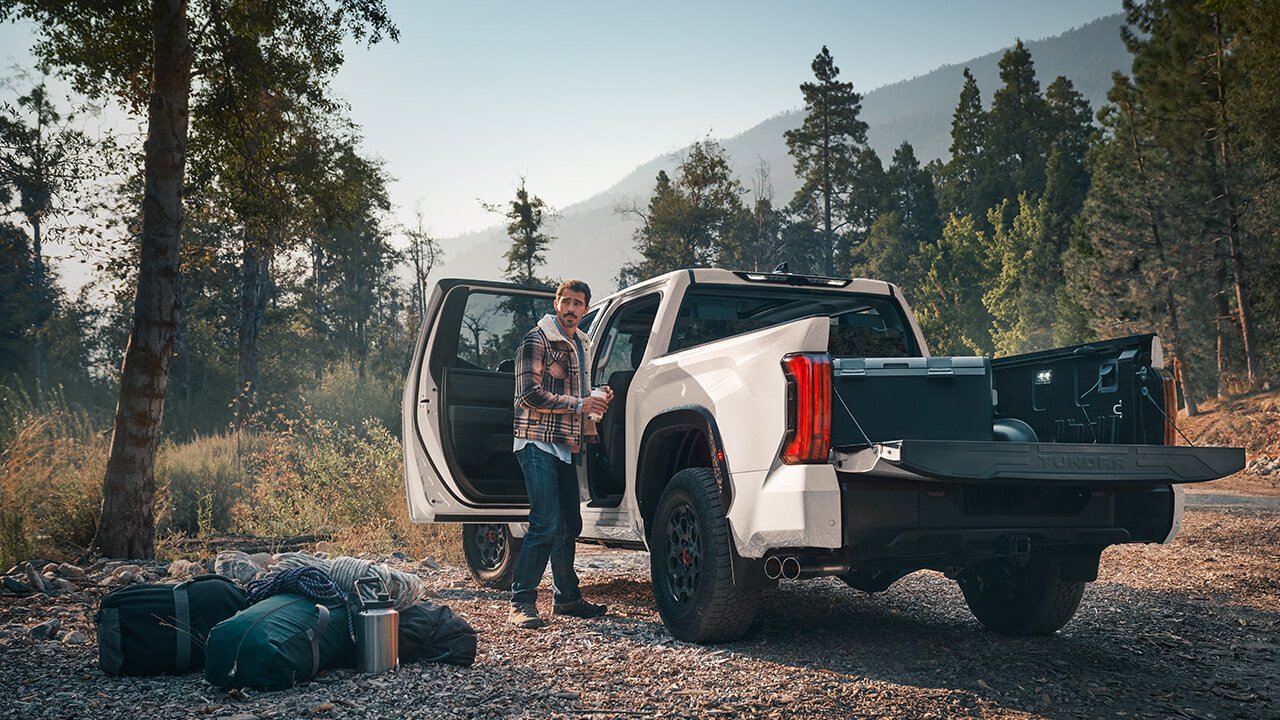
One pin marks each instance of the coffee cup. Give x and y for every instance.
(600, 393)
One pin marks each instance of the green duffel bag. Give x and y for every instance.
(277, 643)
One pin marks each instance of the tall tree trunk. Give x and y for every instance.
(254, 275)
(1171, 302)
(126, 526)
(43, 312)
(1223, 318)
(1247, 335)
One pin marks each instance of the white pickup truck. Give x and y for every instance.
(771, 426)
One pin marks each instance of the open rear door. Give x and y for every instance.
(458, 402)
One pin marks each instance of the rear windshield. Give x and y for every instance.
(861, 325)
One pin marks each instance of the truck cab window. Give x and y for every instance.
(861, 325)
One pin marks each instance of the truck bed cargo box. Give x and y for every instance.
(936, 398)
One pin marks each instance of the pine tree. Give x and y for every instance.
(691, 219)
(966, 182)
(1016, 128)
(1136, 268)
(1022, 295)
(1185, 68)
(911, 193)
(527, 218)
(44, 157)
(828, 150)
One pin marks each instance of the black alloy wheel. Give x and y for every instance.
(491, 553)
(684, 554)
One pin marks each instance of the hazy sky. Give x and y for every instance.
(574, 95)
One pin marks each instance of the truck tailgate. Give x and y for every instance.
(997, 462)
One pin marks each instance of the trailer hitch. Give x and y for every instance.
(1017, 547)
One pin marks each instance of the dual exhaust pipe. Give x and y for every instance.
(790, 567)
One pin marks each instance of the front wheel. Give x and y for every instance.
(690, 561)
(491, 553)
(1021, 598)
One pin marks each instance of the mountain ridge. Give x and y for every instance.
(593, 240)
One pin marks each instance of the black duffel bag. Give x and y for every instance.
(432, 633)
(158, 629)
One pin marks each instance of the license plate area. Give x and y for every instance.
(1022, 500)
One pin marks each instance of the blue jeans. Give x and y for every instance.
(555, 520)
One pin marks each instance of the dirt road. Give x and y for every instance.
(1188, 630)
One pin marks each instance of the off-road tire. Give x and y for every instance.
(1021, 599)
(491, 554)
(691, 565)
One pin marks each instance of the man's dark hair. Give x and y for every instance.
(576, 286)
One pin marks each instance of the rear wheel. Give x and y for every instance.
(1021, 598)
(691, 563)
(491, 553)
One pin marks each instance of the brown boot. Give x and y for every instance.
(580, 608)
(525, 616)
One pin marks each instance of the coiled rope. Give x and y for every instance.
(310, 582)
(405, 588)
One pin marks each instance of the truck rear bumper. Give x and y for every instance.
(993, 462)
(901, 518)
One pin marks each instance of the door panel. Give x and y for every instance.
(458, 402)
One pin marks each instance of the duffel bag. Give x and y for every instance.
(432, 633)
(154, 629)
(277, 643)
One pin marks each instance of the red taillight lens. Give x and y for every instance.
(1170, 403)
(808, 438)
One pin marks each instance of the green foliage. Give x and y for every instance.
(526, 215)
(911, 193)
(313, 476)
(689, 220)
(1022, 296)
(948, 299)
(200, 482)
(1017, 128)
(966, 180)
(346, 399)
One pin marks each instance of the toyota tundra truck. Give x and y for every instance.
(775, 426)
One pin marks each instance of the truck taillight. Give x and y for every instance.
(1170, 402)
(808, 438)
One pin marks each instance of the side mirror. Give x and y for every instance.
(508, 366)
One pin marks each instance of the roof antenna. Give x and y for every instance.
(782, 268)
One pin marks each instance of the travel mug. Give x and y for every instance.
(600, 393)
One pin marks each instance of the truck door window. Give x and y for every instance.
(493, 326)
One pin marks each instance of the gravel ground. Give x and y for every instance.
(1189, 630)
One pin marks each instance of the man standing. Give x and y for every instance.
(553, 400)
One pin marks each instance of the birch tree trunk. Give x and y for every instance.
(127, 523)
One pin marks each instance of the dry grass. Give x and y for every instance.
(50, 485)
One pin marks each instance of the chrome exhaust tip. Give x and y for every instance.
(772, 567)
(791, 568)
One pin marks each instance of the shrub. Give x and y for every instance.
(50, 484)
(199, 483)
(345, 399)
(316, 476)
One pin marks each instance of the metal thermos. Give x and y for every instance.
(377, 627)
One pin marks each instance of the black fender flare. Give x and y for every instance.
(747, 572)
